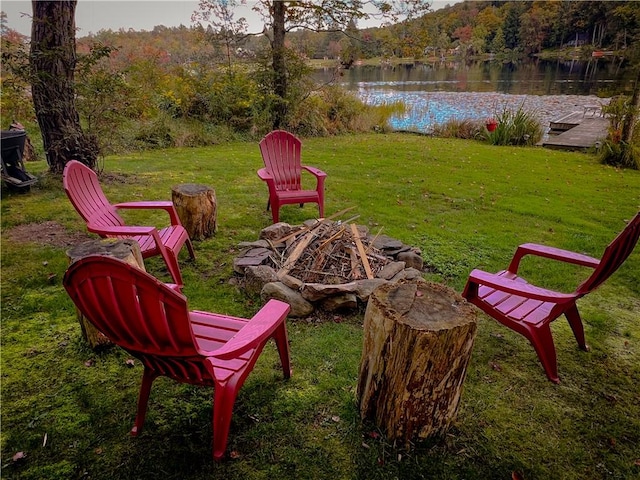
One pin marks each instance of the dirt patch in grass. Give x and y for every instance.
(46, 233)
(118, 178)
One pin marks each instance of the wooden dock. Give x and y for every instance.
(577, 131)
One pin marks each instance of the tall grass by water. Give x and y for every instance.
(465, 204)
(516, 127)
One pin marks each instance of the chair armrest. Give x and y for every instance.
(121, 230)
(161, 204)
(256, 331)
(551, 253)
(264, 174)
(153, 205)
(507, 285)
(314, 171)
(175, 287)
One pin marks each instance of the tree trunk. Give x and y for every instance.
(279, 63)
(53, 60)
(418, 338)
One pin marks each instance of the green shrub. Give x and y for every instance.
(454, 128)
(617, 151)
(155, 134)
(620, 154)
(615, 111)
(104, 103)
(515, 128)
(310, 118)
(333, 111)
(15, 103)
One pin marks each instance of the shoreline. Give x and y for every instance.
(426, 109)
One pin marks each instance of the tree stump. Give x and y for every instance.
(126, 250)
(418, 338)
(197, 208)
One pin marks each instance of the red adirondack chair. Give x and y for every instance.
(529, 310)
(86, 195)
(283, 173)
(152, 322)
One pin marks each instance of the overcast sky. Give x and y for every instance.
(95, 15)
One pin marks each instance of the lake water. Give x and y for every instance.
(437, 92)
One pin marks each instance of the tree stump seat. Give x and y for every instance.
(197, 209)
(418, 338)
(126, 250)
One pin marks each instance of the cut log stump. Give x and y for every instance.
(418, 338)
(197, 208)
(126, 250)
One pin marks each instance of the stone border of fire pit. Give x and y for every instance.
(263, 268)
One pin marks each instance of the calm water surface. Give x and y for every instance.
(437, 92)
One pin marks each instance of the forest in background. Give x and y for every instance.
(191, 85)
(512, 28)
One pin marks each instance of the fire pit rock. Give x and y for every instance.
(323, 264)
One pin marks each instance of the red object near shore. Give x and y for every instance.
(492, 125)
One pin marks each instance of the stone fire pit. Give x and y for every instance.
(323, 264)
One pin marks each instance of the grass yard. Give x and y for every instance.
(464, 204)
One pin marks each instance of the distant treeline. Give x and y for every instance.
(469, 28)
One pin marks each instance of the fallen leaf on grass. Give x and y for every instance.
(89, 363)
(495, 366)
(374, 434)
(637, 462)
(234, 454)
(517, 476)
(19, 456)
(130, 362)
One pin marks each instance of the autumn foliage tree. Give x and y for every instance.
(283, 16)
(14, 104)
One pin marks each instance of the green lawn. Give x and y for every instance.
(463, 203)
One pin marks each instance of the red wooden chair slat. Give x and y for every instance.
(85, 193)
(152, 322)
(281, 154)
(529, 310)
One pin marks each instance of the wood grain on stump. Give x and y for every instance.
(197, 208)
(127, 250)
(418, 338)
